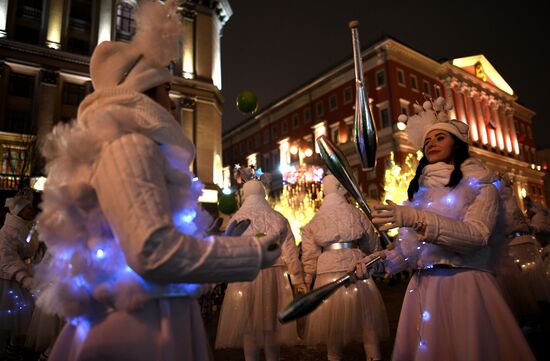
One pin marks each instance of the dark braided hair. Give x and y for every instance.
(460, 154)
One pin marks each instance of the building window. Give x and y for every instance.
(414, 82)
(350, 127)
(426, 87)
(373, 191)
(320, 109)
(400, 77)
(307, 115)
(28, 19)
(404, 106)
(276, 160)
(371, 174)
(73, 94)
(385, 118)
(21, 85)
(266, 135)
(437, 89)
(274, 131)
(13, 161)
(348, 95)
(80, 26)
(380, 79)
(333, 102)
(284, 126)
(266, 162)
(125, 23)
(295, 121)
(335, 133)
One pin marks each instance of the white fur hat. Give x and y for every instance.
(332, 185)
(141, 64)
(431, 116)
(253, 187)
(18, 202)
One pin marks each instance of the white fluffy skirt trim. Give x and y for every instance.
(252, 307)
(349, 315)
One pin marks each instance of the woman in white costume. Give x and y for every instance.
(17, 254)
(451, 235)
(336, 238)
(121, 217)
(248, 316)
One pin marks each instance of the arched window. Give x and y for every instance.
(125, 23)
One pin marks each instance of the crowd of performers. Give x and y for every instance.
(113, 265)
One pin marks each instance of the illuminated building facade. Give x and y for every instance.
(396, 76)
(45, 47)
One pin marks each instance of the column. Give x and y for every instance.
(105, 21)
(3, 18)
(450, 96)
(496, 120)
(482, 131)
(470, 115)
(47, 101)
(487, 118)
(188, 56)
(186, 111)
(55, 24)
(507, 130)
(458, 101)
(513, 134)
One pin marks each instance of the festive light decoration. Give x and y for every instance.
(301, 196)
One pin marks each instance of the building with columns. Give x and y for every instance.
(45, 47)
(396, 77)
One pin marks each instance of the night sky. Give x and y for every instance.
(272, 47)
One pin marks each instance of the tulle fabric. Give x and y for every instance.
(252, 307)
(43, 330)
(164, 329)
(16, 307)
(526, 256)
(348, 314)
(451, 314)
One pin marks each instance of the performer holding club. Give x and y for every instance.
(453, 309)
(337, 237)
(248, 316)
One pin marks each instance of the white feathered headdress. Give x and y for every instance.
(141, 63)
(431, 116)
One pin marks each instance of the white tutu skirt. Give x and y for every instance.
(456, 315)
(43, 330)
(168, 329)
(251, 308)
(527, 258)
(514, 289)
(16, 307)
(348, 315)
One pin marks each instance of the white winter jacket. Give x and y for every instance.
(120, 211)
(264, 219)
(336, 221)
(460, 222)
(14, 248)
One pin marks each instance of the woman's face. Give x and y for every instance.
(161, 95)
(438, 146)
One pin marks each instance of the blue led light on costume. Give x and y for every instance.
(422, 345)
(100, 254)
(184, 220)
(426, 316)
(195, 179)
(450, 199)
(226, 191)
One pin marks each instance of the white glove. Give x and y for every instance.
(271, 249)
(360, 269)
(392, 215)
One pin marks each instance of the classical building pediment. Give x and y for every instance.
(481, 68)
